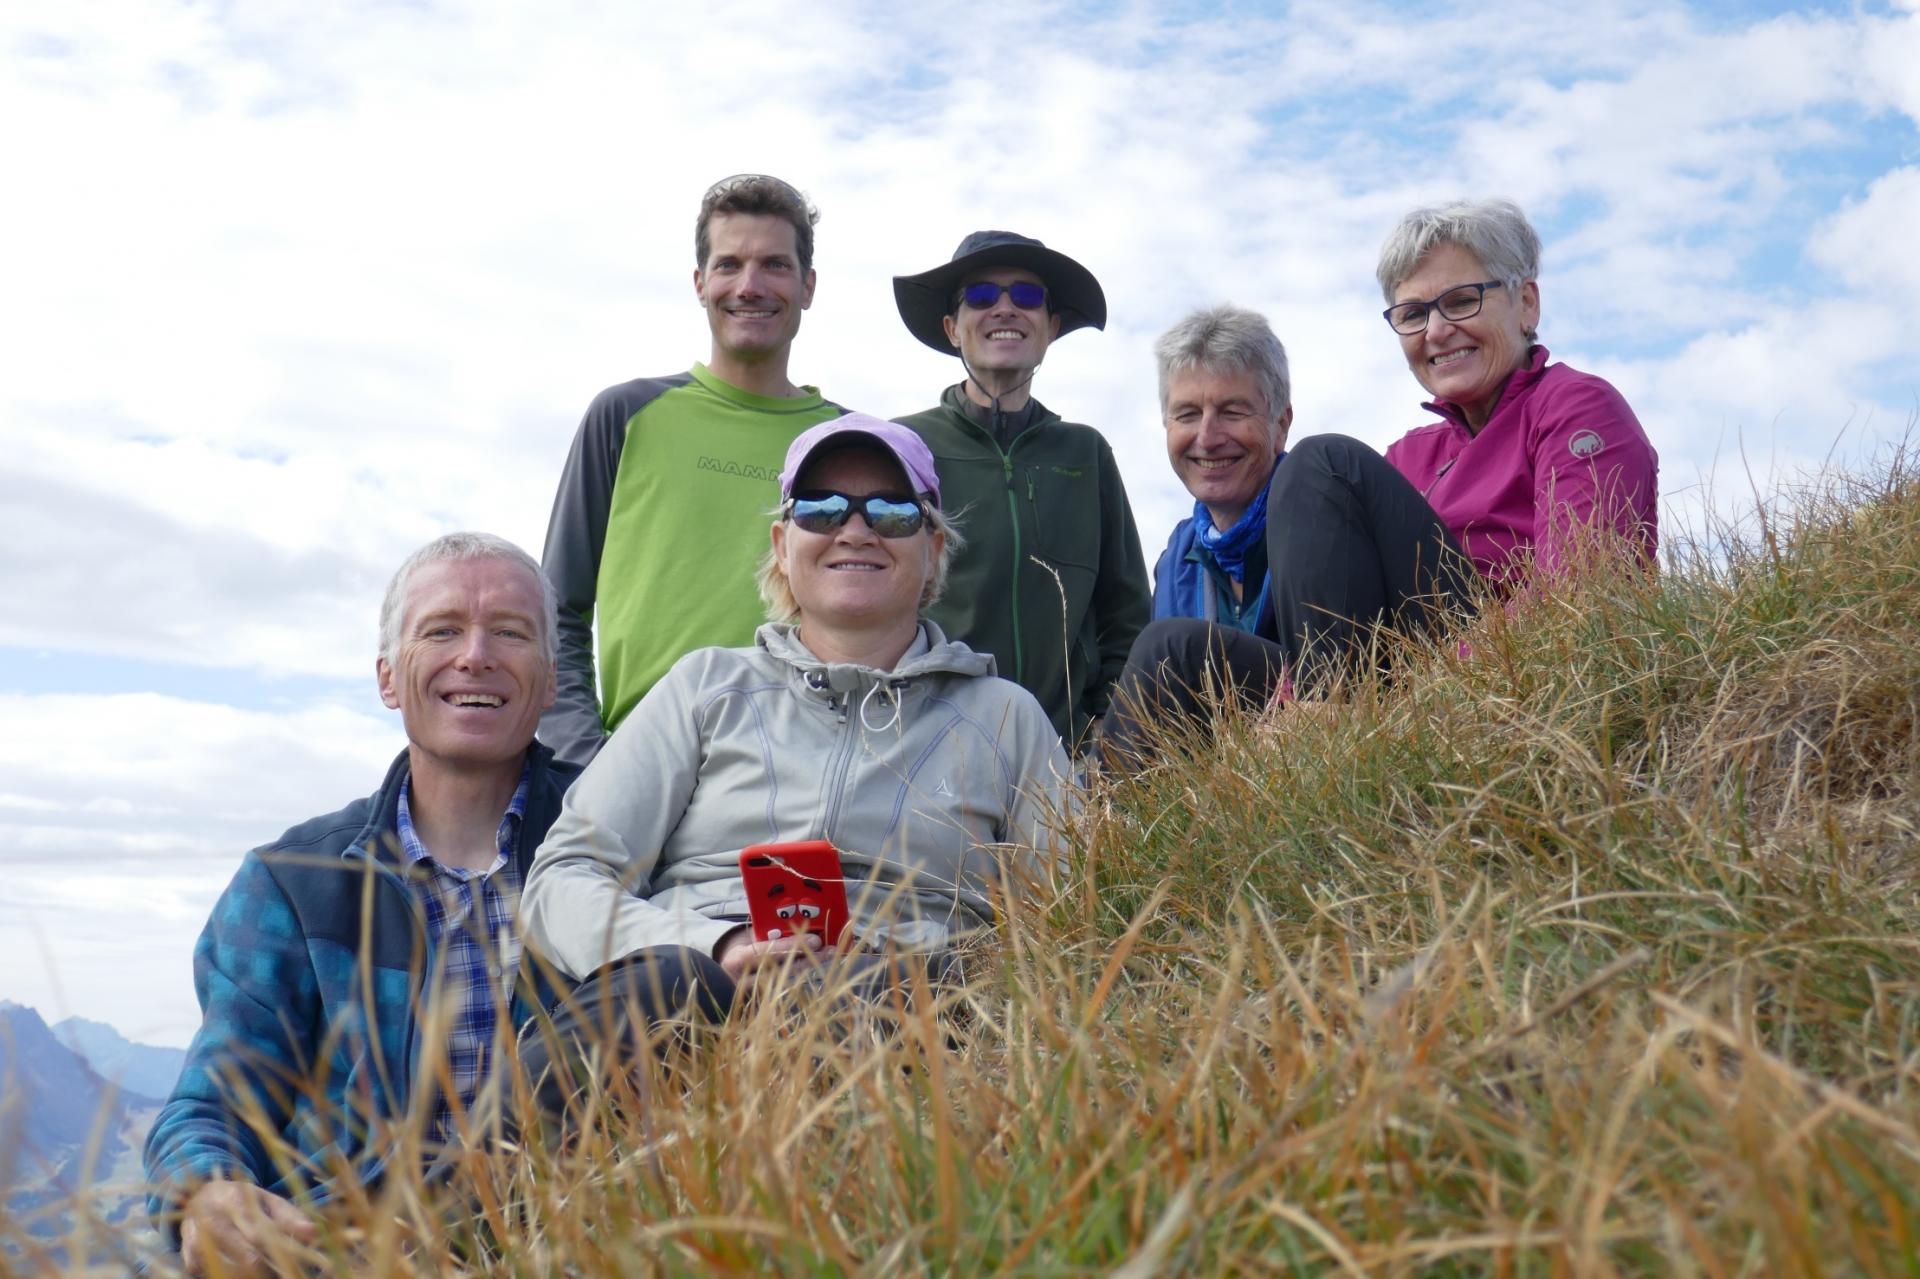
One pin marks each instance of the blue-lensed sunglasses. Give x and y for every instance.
(824, 510)
(1026, 295)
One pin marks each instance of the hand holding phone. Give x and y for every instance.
(795, 888)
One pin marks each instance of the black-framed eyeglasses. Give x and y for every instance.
(1461, 302)
(824, 510)
(1026, 295)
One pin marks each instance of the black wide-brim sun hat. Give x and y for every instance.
(928, 298)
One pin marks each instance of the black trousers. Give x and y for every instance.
(614, 1010)
(1351, 546)
(618, 1008)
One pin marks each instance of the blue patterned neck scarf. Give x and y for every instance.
(1229, 549)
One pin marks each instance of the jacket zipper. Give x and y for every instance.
(837, 769)
(1013, 514)
(1013, 579)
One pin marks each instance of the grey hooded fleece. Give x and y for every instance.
(932, 780)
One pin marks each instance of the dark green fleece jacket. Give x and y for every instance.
(1049, 501)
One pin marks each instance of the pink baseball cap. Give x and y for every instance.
(905, 445)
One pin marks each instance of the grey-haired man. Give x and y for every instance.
(322, 957)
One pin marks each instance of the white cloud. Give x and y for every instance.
(116, 947)
(1889, 53)
(124, 817)
(1870, 242)
(138, 779)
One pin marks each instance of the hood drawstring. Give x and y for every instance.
(998, 415)
(818, 682)
(889, 692)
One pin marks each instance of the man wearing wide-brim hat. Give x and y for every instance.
(1051, 581)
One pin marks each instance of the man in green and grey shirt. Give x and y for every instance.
(660, 518)
(1051, 580)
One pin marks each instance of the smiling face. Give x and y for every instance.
(1221, 438)
(1002, 337)
(852, 577)
(1467, 361)
(752, 286)
(469, 675)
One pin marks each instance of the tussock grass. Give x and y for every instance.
(1588, 947)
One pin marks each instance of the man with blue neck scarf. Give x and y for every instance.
(1227, 405)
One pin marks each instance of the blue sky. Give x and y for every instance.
(291, 289)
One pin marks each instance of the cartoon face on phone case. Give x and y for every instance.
(799, 909)
(794, 888)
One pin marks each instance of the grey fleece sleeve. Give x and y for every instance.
(583, 906)
(1045, 799)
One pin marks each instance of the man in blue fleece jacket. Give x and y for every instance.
(321, 957)
(1227, 402)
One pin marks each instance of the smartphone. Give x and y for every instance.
(795, 888)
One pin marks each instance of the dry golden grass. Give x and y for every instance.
(1589, 952)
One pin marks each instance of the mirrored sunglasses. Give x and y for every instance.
(823, 511)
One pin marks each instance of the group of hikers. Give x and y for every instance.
(949, 614)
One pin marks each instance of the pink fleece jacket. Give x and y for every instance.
(1561, 450)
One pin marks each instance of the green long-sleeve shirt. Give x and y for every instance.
(658, 525)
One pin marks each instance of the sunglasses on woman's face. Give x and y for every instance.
(824, 510)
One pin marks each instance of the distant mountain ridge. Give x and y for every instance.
(49, 1096)
(143, 1069)
(64, 1127)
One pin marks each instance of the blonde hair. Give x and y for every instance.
(777, 592)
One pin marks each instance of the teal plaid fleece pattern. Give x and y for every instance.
(472, 920)
(308, 973)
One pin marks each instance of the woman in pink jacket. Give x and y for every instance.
(1527, 461)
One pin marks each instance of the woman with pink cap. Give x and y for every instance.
(851, 719)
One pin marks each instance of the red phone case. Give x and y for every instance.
(795, 888)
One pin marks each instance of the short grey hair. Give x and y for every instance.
(466, 546)
(1495, 231)
(1224, 338)
(777, 592)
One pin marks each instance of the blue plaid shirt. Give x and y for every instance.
(471, 919)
